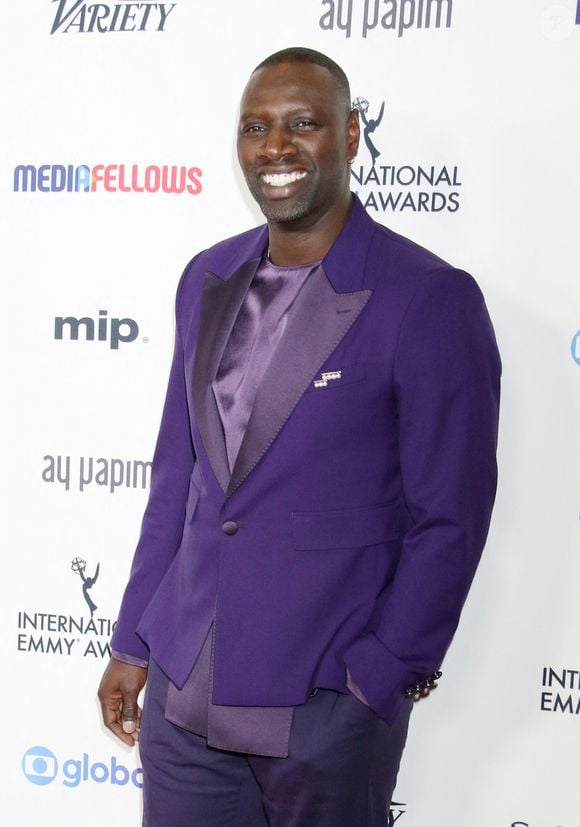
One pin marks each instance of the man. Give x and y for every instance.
(322, 488)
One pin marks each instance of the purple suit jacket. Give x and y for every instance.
(350, 528)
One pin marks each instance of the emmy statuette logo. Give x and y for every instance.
(370, 125)
(78, 565)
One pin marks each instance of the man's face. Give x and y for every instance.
(295, 138)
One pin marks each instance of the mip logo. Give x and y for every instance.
(370, 124)
(119, 330)
(39, 765)
(575, 348)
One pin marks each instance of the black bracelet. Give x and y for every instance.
(420, 687)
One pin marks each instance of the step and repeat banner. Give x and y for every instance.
(117, 165)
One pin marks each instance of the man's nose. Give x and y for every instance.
(278, 143)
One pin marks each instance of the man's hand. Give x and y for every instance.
(118, 692)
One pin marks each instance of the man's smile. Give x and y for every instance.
(282, 179)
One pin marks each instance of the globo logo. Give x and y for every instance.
(575, 348)
(41, 767)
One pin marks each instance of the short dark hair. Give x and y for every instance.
(299, 54)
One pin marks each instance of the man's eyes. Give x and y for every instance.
(301, 124)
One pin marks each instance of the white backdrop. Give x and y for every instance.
(489, 106)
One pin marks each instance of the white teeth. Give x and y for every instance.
(282, 179)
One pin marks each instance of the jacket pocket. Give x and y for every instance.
(347, 528)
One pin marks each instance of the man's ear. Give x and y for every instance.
(352, 134)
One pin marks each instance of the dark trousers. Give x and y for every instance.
(340, 772)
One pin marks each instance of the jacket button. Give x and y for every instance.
(229, 527)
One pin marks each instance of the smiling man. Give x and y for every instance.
(321, 493)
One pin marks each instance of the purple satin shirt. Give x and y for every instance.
(256, 333)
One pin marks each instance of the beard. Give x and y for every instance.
(286, 210)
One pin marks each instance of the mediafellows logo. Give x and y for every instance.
(385, 15)
(78, 17)
(575, 347)
(408, 187)
(41, 767)
(107, 178)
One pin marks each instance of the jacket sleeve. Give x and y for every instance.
(164, 517)
(446, 380)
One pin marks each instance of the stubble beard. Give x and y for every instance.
(285, 211)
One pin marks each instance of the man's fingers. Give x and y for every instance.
(129, 725)
(118, 695)
(129, 712)
(128, 738)
(112, 720)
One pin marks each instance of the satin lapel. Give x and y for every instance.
(319, 319)
(221, 302)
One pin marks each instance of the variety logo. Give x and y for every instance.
(78, 17)
(105, 473)
(387, 15)
(576, 348)
(119, 330)
(400, 188)
(41, 767)
(561, 690)
(107, 178)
